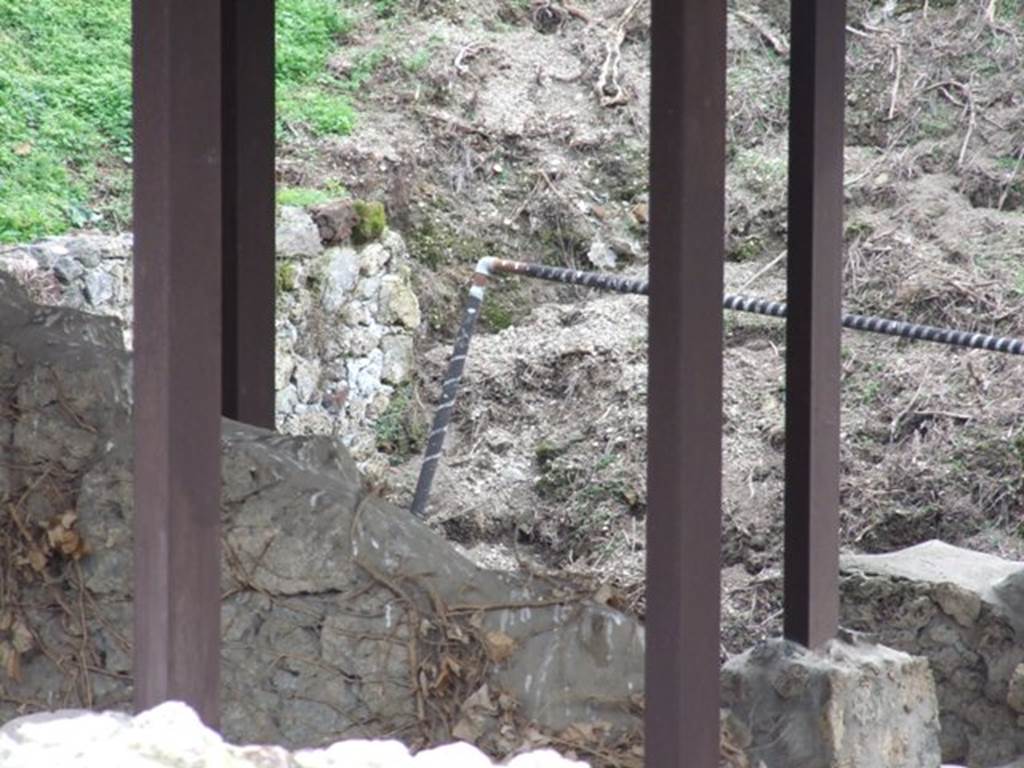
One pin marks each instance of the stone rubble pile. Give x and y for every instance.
(847, 703)
(964, 612)
(347, 318)
(342, 613)
(172, 736)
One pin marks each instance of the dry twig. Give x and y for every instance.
(898, 67)
(777, 43)
(1013, 177)
(609, 89)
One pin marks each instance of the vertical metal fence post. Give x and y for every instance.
(685, 383)
(249, 267)
(177, 406)
(813, 326)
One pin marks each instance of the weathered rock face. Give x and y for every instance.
(848, 705)
(342, 615)
(342, 350)
(346, 318)
(89, 271)
(171, 736)
(964, 611)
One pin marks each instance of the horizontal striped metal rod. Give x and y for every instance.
(488, 267)
(867, 323)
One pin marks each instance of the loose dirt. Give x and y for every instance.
(519, 129)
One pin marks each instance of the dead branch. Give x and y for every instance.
(1013, 177)
(609, 89)
(779, 45)
(898, 67)
(466, 53)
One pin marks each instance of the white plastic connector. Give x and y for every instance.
(486, 266)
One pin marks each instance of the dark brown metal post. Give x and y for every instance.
(178, 238)
(248, 314)
(685, 383)
(813, 327)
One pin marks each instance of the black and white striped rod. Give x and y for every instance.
(772, 308)
(605, 282)
(449, 389)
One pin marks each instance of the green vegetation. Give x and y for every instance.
(746, 249)
(286, 273)
(764, 172)
(65, 110)
(385, 9)
(370, 221)
(307, 33)
(65, 104)
(432, 244)
(497, 315)
(401, 428)
(306, 197)
(595, 495)
(506, 304)
(418, 61)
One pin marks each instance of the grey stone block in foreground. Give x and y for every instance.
(343, 616)
(848, 705)
(964, 612)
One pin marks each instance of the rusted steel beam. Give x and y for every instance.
(814, 316)
(248, 260)
(684, 391)
(177, 408)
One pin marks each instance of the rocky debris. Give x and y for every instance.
(89, 271)
(346, 320)
(398, 302)
(171, 736)
(335, 221)
(342, 613)
(964, 612)
(847, 705)
(601, 255)
(297, 235)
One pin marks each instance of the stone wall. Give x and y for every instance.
(964, 612)
(847, 704)
(342, 614)
(347, 317)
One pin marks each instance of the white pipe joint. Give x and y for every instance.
(486, 266)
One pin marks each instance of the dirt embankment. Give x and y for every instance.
(520, 130)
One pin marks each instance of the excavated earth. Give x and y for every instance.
(519, 129)
(515, 129)
(508, 147)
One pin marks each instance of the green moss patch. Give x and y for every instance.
(370, 221)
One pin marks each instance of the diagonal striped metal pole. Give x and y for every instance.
(450, 388)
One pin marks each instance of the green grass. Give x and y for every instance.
(308, 31)
(400, 430)
(305, 197)
(65, 105)
(65, 109)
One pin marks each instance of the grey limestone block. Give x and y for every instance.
(848, 704)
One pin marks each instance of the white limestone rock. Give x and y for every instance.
(847, 705)
(964, 612)
(297, 235)
(172, 736)
(373, 258)
(341, 275)
(398, 358)
(398, 302)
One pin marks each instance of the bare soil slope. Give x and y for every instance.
(518, 129)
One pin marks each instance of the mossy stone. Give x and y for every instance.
(370, 221)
